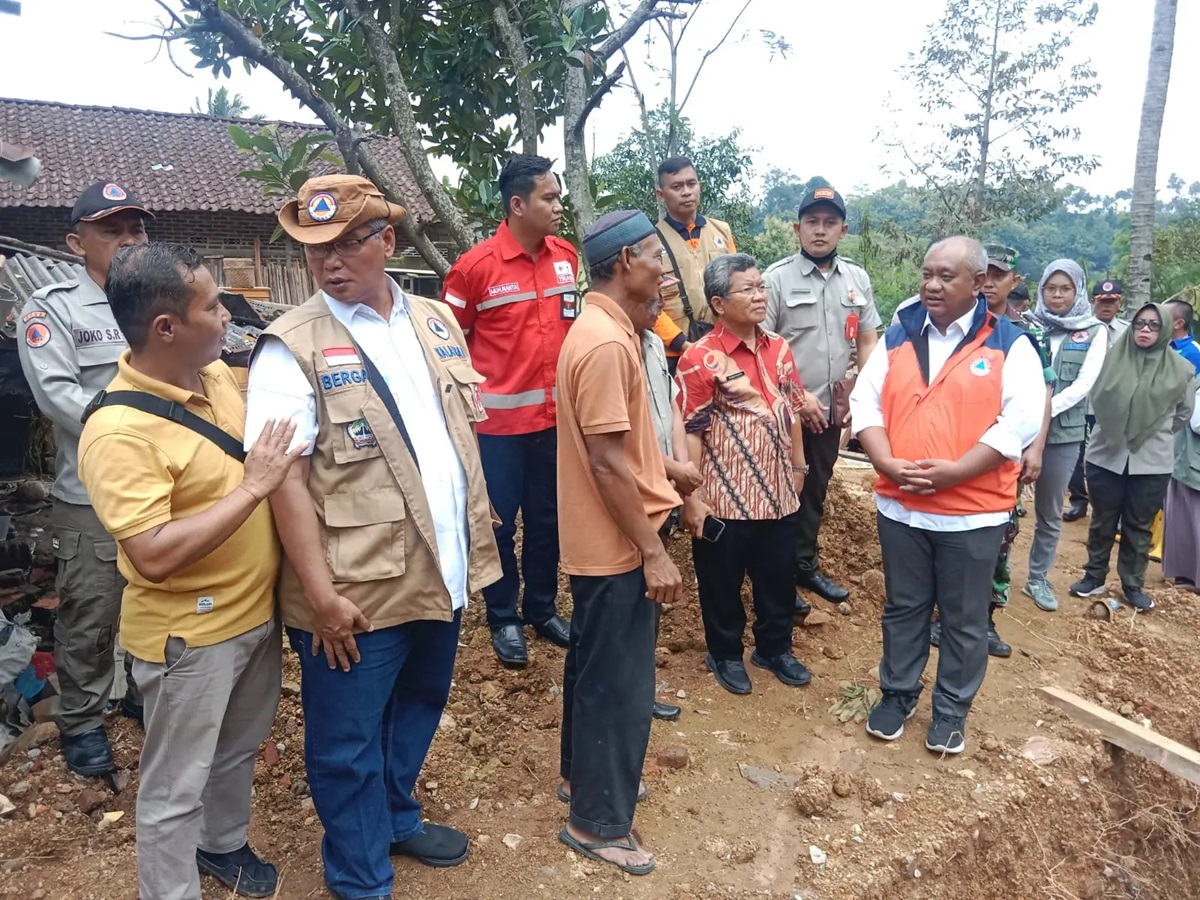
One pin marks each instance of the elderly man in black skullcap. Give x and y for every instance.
(613, 500)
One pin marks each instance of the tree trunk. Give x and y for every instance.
(577, 169)
(1145, 172)
(514, 45)
(985, 134)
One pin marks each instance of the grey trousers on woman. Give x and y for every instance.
(1049, 493)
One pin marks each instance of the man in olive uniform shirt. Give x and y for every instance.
(822, 305)
(69, 345)
(690, 242)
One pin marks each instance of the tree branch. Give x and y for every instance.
(610, 81)
(405, 123)
(709, 52)
(514, 44)
(638, 16)
(250, 46)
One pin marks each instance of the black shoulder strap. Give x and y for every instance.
(168, 409)
(375, 377)
(687, 306)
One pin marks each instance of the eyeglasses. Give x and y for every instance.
(346, 249)
(1146, 325)
(1059, 290)
(759, 289)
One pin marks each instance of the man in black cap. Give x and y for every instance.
(69, 344)
(822, 305)
(1018, 300)
(614, 498)
(1107, 296)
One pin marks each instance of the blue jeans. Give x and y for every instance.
(366, 733)
(522, 475)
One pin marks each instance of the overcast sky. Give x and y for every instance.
(816, 112)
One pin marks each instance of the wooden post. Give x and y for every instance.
(1171, 755)
(258, 272)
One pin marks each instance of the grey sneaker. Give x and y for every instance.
(946, 735)
(1042, 593)
(1087, 586)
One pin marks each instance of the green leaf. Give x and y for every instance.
(240, 137)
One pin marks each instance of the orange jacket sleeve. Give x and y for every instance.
(665, 328)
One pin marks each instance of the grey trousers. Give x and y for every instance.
(1049, 496)
(949, 569)
(85, 627)
(208, 710)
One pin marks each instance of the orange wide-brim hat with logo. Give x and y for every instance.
(329, 206)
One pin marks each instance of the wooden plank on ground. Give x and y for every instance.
(1171, 755)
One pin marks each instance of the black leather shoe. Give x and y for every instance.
(435, 845)
(242, 871)
(88, 754)
(1075, 511)
(730, 674)
(821, 585)
(802, 607)
(556, 630)
(786, 667)
(666, 711)
(509, 643)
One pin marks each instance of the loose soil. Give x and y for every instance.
(771, 781)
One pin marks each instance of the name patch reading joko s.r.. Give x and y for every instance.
(331, 380)
(87, 337)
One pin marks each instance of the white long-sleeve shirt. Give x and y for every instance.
(1077, 391)
(1022, 405)
(278, 390)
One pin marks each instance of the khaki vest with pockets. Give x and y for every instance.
(715, 240)
(1068, 427)
(374, 519)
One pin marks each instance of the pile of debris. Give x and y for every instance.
(27, 608)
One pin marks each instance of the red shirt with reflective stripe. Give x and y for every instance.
(515, 313)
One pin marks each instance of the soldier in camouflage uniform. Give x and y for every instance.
(69, 343)
(1002, 277)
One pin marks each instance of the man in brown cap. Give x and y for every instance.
(384, 521)
(69, 344)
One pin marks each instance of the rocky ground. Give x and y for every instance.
(765, 796)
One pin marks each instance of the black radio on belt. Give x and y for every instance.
(244, 329)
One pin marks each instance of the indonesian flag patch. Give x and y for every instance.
(341, 356)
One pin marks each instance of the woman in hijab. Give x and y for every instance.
(1142, 397)
(1181, 511)
(1077, 343)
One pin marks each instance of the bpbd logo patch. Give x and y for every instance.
(981, 368)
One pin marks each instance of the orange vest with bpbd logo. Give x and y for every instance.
(946, 418)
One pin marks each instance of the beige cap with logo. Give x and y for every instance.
(331, 205)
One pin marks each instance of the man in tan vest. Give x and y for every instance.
(385, 526)
(690, 242)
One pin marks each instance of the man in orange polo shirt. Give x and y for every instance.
(614, 497)
(515, 297)
(944, 414)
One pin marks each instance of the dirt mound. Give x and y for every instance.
(776, 798)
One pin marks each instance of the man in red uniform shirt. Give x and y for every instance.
(515, 297)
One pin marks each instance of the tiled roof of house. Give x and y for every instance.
(172, 161)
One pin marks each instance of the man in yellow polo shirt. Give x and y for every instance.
(161, 459)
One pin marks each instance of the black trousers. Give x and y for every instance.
(821, 453)
(1129, 502)
(760, 548)
(949, 569)
(608, 695)
(1077, 486)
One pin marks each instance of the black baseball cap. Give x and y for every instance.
(1018, 294)
(103, 199)
(826, 195)
(1002, 258)
(1108, 288)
